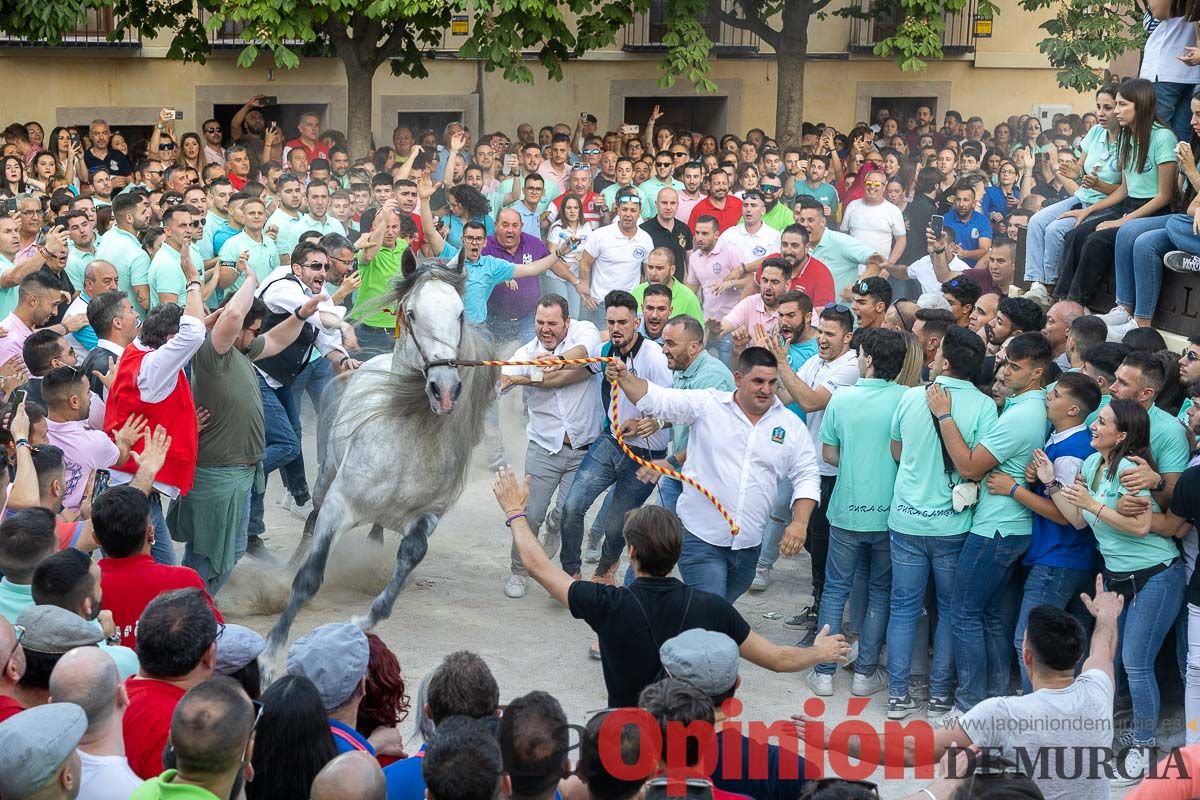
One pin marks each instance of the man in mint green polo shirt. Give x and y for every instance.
(286, 219)
(81, 247)
(262, 254)
(928, 532)
(318, 218)
(167, 284)
(661, 179)
(855, 439)
(1140, 378)
(1002, 528)
(660, 268)
(121, 248)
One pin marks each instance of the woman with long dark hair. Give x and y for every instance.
(12, 175)
(466, 204)
(385, 703)
(64, 144)
(1146, 153)
(1142, 566)
(1099, 174)
(292, 742)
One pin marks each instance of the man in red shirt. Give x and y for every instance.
(177, 650)
(309, 128)
(12, 667)
(130, 578)
(720, 203)
(809, 274)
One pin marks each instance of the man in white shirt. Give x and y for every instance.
(285, 290)
(564, 417)
(874, 221)
(835, 365)
(748, 427)
(88, 677)
(924, 270)
(613, 256)
(605, 465)
(752, 238)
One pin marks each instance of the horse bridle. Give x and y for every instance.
(427, 364)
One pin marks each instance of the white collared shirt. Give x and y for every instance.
(751, 246)
(1066, 468)
(741, 463)
(617, 258)
(285, 296)
(831, 376)
(568, 412)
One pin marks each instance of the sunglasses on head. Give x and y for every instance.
(838, 307)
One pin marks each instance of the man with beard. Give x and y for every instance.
(708, 268)
(845, 256)
(249, 129)
(809, 274)
(286, 219)
(759, 310)
(656, 310)
(693, 368)
(778, 215)
(834, 366)
(719, 204)
(564, 418)
(660, 269)
(213, 517)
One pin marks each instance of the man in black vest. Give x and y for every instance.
(284, 291)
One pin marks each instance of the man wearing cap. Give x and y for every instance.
(212, 738)
(237, 648)
(88, 678)
(334, 657)
(37, 753)
(613, 255)
(11, 668)
(709, 661)
(50, 632)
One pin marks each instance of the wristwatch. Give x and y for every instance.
(1162, 484)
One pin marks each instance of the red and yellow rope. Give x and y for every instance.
(616, 423)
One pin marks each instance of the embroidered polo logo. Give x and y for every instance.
(639, 252)
(777, 435)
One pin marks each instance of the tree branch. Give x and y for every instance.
(752, 22)
(394, 43)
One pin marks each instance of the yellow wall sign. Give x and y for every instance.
(458, 25)
(983, 28)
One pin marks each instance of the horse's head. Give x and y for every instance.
(433, 314)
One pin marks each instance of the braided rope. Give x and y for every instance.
(616, 423)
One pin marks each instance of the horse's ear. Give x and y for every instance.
(408, 262)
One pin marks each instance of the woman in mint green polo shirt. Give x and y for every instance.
(1146, 151)
(1142, 566)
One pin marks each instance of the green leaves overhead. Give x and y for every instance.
(1084, 37)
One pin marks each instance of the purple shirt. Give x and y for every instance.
(504, 302)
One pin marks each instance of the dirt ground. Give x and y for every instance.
(454, 600)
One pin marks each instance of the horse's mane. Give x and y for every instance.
(401, 392)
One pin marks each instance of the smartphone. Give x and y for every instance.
(583, 115)
(10, 205)
(269, 100)
(73, 136)
(176, 113)
(632, 130)
(18, 397)
(41, 237)
(100, 483)
(936, 223)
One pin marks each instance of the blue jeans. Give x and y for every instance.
(1174, 107)
(201, 563)
(722, 571)
(1179, 229)
(781, 509)
(982, 629)
(551, 283)
(1141, 244)
(669, 490)
(283, 445)
(507, 331)
(603, 466)
(913, 559)
(374, 341)
(847, 550)
(722, 349)
(1047, 585)
(1144, 623)
(1044, 241)
(312, 380)
(162, 551)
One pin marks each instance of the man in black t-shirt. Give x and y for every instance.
(633, 622)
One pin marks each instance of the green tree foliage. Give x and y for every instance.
(1084, 36)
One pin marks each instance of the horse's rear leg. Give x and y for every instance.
(412, 549)
(310, 524)
(332, 520)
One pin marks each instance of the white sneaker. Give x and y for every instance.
(762, 579)
(867, 685)
(515, 588)
(821, 685)
(1118, 316)
(301, 512)
(1136, 764)
(1037, 289)
(591, 553)
(1117, 332)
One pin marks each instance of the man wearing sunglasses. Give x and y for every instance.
(778, 215)
(214, 153)
(1189, 372)
(874, 221)
(664, 168)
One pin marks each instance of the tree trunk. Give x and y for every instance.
(790, 57)
(359, 103)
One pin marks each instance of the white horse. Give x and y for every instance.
(400, 439)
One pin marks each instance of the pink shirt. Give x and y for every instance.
(709, 268)
(84, 451)
(686, 205)
(18, 332)
(749, 312)
(546, 170)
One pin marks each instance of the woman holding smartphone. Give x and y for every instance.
(567, 236)
(1142, 566)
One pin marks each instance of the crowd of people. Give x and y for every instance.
(827, 335)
